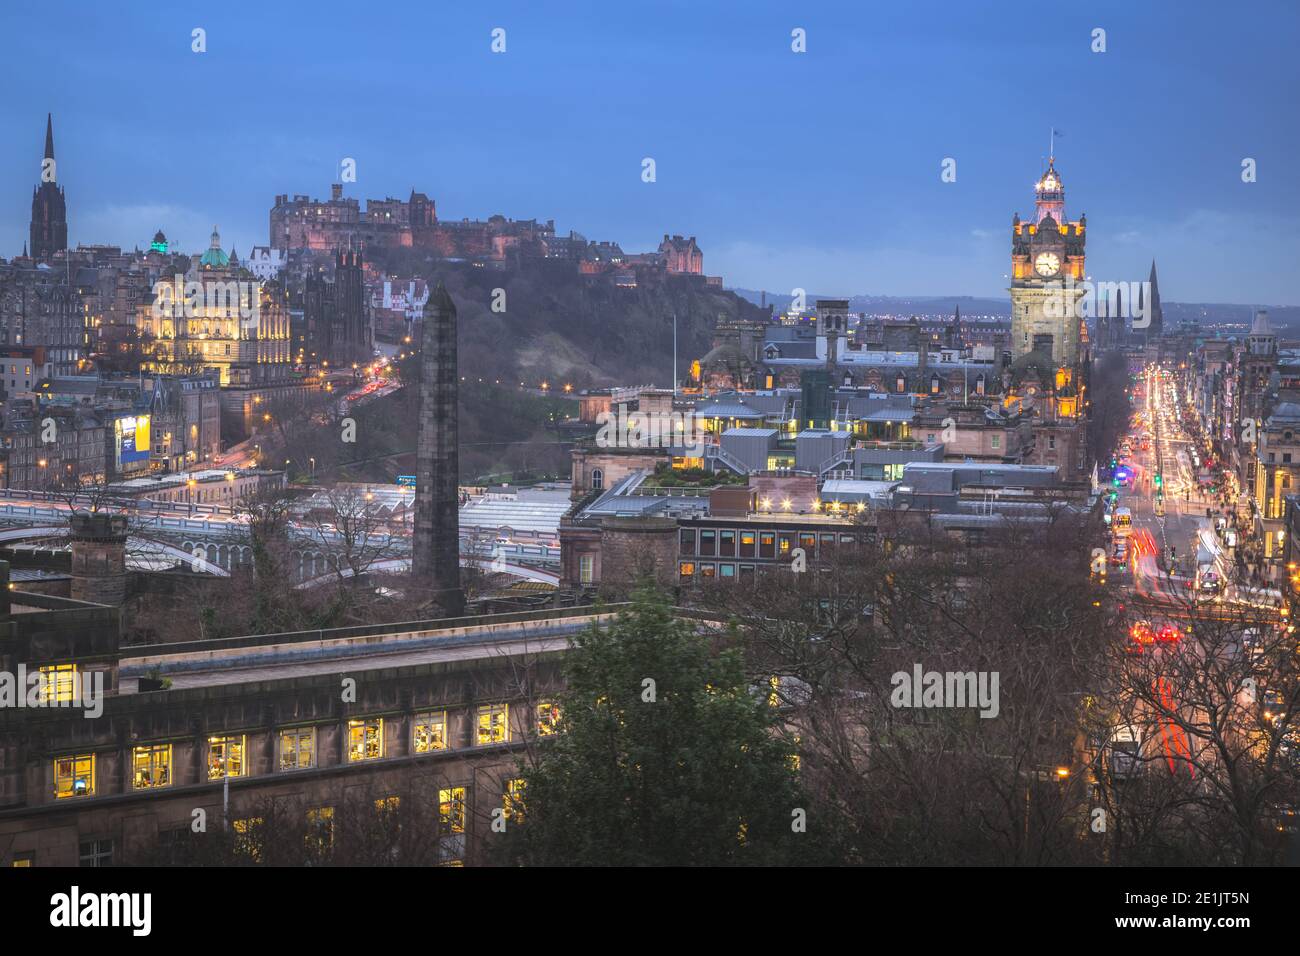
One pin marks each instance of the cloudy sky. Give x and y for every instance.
(818, 170)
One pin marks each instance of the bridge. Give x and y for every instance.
(216, 545)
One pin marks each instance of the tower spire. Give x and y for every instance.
(49, 135)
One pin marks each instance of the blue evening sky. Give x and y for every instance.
(818, 170)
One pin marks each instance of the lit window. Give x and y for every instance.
(431, 732)
(151, 766)
(320, 830)
(298, 748)
(451, 809)
(248, 838)
(58, 683)
(365, 739)
(74, 776)
(388, 806)
(513, 799)
(586, 569)
(548, 717)
(226, 756)
(492, 724)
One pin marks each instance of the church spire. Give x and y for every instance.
(48, 231)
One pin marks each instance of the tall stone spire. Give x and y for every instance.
(49, 225)
(435, 559)
(1157, 323)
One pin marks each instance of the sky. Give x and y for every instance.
(818, 170)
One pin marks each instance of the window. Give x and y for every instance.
(727, 544)
(996, 441)
(226, 756)
(320, 830)
(586, 569)
(451, 809)
(727, 570)
(686, 541)
(513, 799)
(430, 732)
(24, 859)
(492, 724)
(59, 683)
(151, 766)
(548, 717)
(786, 540)
(298, 748)
(248, 838)
(597, 479)
(746, 544)
(74, 776)
(365, 739)
(686, 570)
(767, 544)
(707, 543)
(387, 807)
(96, 852)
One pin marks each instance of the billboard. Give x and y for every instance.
(131, 439)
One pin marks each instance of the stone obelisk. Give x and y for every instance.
(435, 558)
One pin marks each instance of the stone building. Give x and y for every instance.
(431, 734)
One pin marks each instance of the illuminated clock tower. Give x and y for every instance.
(1046, 258)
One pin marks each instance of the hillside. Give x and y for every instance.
(562, 327)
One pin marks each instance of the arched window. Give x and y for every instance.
(901, 384)
(597, 479)
(934, 384)
(979, 384)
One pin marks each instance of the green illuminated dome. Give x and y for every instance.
(214, 258)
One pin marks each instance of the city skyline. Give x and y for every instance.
(857, 220)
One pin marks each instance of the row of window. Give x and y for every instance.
(151, 764)
(711, 542)
(320, 827)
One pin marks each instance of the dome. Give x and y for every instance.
(214, 258)
(159, 243)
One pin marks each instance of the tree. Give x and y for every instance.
(665, 754)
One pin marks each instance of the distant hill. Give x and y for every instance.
(1283, 317)
(897, 305)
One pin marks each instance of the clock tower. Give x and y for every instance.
(1046, 267)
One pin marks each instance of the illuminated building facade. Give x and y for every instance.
(220, 317)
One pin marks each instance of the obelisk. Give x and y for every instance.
(435, 558)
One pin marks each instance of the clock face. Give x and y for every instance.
(1047, 263)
